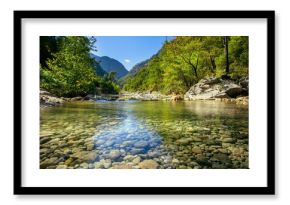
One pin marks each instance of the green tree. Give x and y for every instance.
(108, 84)
(71, 70)
(48, 46)
(239, 56)
(185, 60)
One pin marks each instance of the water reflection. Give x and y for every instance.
(130, 137)
(144, 135)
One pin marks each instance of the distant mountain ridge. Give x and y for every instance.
(138, 66)
(111, 65)
(99, 70)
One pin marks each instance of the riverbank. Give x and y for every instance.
(227, 91)
(148, 96)
(156, 96)
(49, 100)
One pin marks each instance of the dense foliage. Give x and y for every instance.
(185, 60)
(48, 46)
(70, 70)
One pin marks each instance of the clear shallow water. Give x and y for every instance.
(153, 134)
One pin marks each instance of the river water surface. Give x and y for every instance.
(151, 134)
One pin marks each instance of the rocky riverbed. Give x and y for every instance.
(207, 129)
(110, 136)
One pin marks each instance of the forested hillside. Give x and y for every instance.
(185, 60)
(111, 65)
(139, 66)
(67, 68)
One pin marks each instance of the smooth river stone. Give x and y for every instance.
(107, 163)
(90, 147)
(242, 135)
(228, 140)
(68, 161)
(100, 142)
(137, 160)
(44, 140)
(196, 139)
(46, 134)
(44, 150)
(148, 164)
(98, 165)
(154, 154)
(237, 152)
(221, 157)
(196, 150)
(48, 162)
(184, 141)
(61, 167)
(114, 154)
(136, 151)
(127, 143)
(67, 151)
(84, 165)
(224, 151)
(109, 143)
(141, 144)
(129, 158)
(175, 161)
(122, 166)
(85, 155)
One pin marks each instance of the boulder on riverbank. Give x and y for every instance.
(215, 88)
(49, 100)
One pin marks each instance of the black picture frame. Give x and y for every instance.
(268, 190)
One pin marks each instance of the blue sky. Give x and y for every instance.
(129, 50)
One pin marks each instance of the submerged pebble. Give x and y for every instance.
(144, 135)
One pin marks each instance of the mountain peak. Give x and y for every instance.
(109, 64)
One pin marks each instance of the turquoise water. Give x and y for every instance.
(147, 134)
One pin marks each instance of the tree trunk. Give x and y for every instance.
(227, 55)
(195, 68)
(213, 65)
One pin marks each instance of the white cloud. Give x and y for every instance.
(127, 61)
